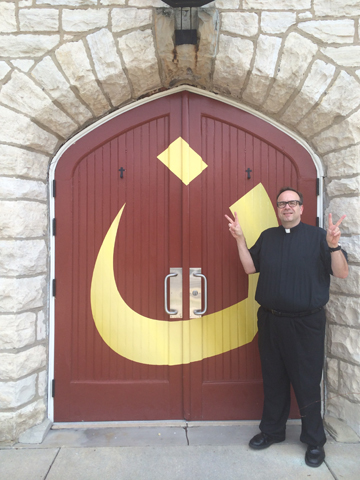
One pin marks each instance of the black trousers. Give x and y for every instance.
(292, 352)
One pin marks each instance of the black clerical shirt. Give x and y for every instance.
(295, 268)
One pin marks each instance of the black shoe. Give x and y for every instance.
(262, 440)
(314, 456)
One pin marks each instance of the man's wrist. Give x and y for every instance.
(335, 249)
(241, 242)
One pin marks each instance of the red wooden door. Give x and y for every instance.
(229, 386)
(165, 223)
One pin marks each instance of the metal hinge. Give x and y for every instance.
(317, 221)
(54, 226)
(54, 287)
(53, 388)
(54, 188)
(317, 187)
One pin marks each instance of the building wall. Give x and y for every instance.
(66, 63)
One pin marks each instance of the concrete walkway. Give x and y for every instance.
(176, 451)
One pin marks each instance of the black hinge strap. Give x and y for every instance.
(53, 388)
(54, 226)
(54, 287)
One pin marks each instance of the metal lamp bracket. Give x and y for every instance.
(186, 23)
(186, 20)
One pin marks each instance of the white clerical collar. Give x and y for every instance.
(292, 229)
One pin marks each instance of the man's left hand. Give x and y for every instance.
(333, 232)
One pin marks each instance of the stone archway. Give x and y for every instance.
(295, 64)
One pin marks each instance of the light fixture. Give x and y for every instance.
(186, 3)
(186, 20)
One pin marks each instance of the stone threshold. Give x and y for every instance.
(160, 423)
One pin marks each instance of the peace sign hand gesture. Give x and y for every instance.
(234, 226)
(245, 257)
(333, 232)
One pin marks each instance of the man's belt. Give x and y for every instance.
(292, 314)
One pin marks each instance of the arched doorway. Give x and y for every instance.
(165, 173)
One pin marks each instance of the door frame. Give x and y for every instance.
(317, 162)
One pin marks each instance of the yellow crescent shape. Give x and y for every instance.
(157, 342)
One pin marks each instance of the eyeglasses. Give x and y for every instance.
(291, 203)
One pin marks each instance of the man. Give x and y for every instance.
(295, 261)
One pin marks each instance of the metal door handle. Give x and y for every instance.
(169, 312)
(201, 312)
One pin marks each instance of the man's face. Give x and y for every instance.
(289, 216)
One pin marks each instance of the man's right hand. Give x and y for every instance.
(244, 254)
(234, 227)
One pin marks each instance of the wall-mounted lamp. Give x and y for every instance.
(186, 20)
(186, 3)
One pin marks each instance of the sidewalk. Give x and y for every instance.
(176, 451)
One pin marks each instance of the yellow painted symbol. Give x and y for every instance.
(156, 342)
(182, 160)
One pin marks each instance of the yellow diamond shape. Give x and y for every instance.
(182, 160)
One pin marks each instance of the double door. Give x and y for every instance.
(154, 316)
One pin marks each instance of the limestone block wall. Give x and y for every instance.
(66, 63)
